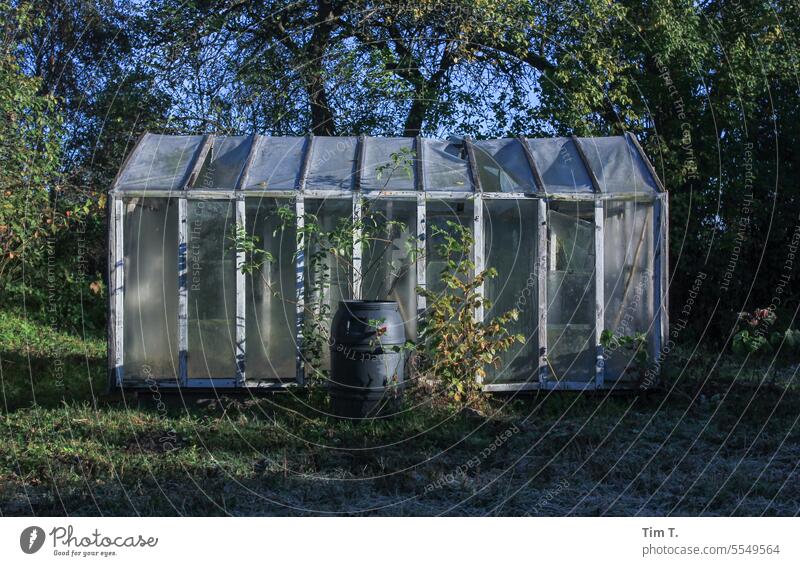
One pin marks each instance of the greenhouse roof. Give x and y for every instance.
(561, 165)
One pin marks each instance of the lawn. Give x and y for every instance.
(714, 440)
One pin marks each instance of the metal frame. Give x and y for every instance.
(183, 264)
(358, 250)
(537, 176)
(219, 194)
(241, 311)
(599, 292)
(116, 277)
(300, 262)
(420, 195)
(117, 293)
(541, 251)
(478, 248)
(599, 263)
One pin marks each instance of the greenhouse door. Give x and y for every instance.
(571, 296)
(211, 289)
(511, 233)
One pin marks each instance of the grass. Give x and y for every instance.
(722, 441)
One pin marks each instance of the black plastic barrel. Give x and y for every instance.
(367, 364)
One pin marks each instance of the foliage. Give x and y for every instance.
(752, 339)
(453, 347)
(787, 341)
(709, 88)
(633, 348)
(19, 335)
(29, 153)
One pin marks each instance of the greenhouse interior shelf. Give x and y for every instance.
(575, 227)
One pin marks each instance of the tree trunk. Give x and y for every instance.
(322, 120)
(416, 116)
(322, 123)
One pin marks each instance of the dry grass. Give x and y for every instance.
(723, 441)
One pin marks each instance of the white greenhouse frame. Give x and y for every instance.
(127, 187)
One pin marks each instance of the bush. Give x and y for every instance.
(453, 347)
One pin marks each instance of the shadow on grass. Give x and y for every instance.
(718, 443)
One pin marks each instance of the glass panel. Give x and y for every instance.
(560, 165)
(570, 291)
(382, 172)
(629, 269)
(445, 168)
(389, 272)
(150, 246)
(224, 162)
(438, 213)
(510, 238)
(618, 166)
(502, 166)
(160, 163)
(271, 295)
(276, 163)
(328, 277)
(333, 163)
(211, 263)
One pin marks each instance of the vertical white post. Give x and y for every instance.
(419, 185)
(541, 267)
(300, 265)
(118, 289)
(421, 255)
(477, 226)
(479, 250)
(183, 292)
(300, 262)
(241, 350)
(478, 255)
(599, 290)
(357, 248)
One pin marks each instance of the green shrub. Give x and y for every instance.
(453, 347)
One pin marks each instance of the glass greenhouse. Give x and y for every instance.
(575, 227)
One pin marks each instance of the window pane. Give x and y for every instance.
(271, 293)
(333, 163)
(618, 166)
(276, 163)
(381, 172)
(560, 165)
(444, 166)
(438, 214)
(160, 162)
(502, 166)
(212, 289)
(150, 246)
(388, 270)
(629, 269)
(224, 162)
(328, 276)
(510, 237)
(570, 291)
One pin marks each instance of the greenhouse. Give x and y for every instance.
(575, 227)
